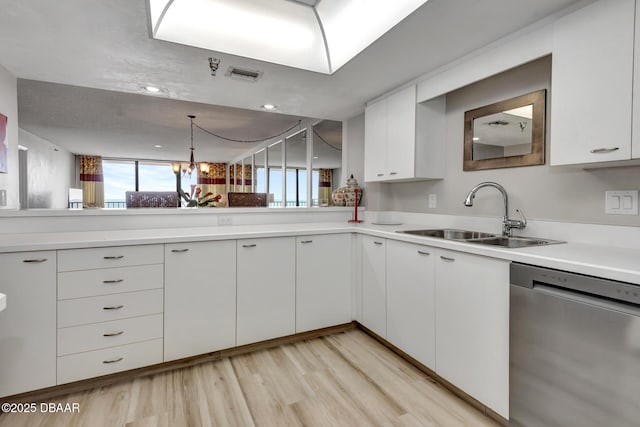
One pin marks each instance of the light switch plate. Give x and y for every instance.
(433, 201)
(621, 202)
(225, 220)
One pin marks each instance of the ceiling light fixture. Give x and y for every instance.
(158, 146)
(314, 36)
(187, 168)
(269, 107)
(152, 89)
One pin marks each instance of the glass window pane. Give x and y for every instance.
(327, 159)
(119, 177)
(275, 174)
(247, 173)
(297, 160)
(315, 184)
(261, 184)
(156, 177)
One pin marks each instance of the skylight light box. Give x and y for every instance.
(320, 38)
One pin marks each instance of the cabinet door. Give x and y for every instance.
(374, 292)
(635, 133)
(28, 323)
(375, 141)
(323, 281)
(200, 298)
(266, 289)
(472, 326)
(591, 94)
(401, 134)
(411, 300)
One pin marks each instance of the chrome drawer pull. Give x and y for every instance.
(604, 150)
(447, 258)
(113, 307)
(249, 246)
(423, 253)
(113, 281)
(114, 257)
(113, 334)
(307, 241)
(38, 260)
(380, 174)
(393, 173)
(377, 243)
(113, 360)
(179, 251)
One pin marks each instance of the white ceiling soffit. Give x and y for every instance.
(320, 38)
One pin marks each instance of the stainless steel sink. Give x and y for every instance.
(482, 238)
(449, 234)
(514, 242)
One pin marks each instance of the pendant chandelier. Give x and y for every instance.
(188, 168)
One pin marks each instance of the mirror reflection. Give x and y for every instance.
(505, 134)
(274, 155)
(110, 144)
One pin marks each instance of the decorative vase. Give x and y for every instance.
(346, 196)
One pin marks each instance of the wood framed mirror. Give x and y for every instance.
(506, 134)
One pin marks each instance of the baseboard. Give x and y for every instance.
(436, 378)
(57, 391)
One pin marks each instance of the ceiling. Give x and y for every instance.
(98, 55)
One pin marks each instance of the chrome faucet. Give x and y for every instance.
(507, 224)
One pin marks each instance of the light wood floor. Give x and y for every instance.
(346, 379)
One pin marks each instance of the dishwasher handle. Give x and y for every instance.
(583, 298)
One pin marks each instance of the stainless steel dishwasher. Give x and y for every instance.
(574, 350)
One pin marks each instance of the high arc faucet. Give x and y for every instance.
(507, 224)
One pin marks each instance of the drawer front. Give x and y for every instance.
(95, 336)
(108, 361)
(117, 256)
(89, 283)
(104, 308)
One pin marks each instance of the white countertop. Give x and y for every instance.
(602, 261)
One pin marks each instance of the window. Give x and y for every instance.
(156, 176)
(119, 177)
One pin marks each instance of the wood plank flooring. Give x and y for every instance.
(346, 379)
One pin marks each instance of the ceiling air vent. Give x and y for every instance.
(243, 74)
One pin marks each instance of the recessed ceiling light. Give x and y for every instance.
(315, 157)
(475, 138)
(269, 107)
(152, 89)
(158, 146)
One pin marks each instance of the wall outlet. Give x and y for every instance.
(621, 202)
(433, 201)
(225, 220)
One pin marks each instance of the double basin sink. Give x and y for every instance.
(481, 238)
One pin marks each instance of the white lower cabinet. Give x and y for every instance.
(323, 281)
(28, 323)
(108, 360)
(266, 277)
(472, 326)
(374, 286)
(411, 300)
(200, 298)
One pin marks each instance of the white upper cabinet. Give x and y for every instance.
(592, 80)
(404, 140)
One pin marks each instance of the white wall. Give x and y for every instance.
(50, 171)
(9, 107)
(542, 192)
